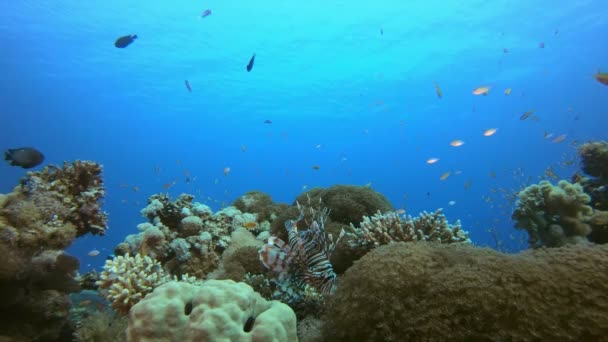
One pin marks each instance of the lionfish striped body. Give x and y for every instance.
(305, 258)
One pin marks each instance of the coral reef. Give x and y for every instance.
(41, 217)
(595, 159)
(347, 203)
(125, 280)
(382, 229)
(101, 326)
(261, 204)
(553, 215)
(457, 292)
(216, 310)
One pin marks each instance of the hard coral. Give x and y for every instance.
(554, 215)
(217, 310)
(457, 292)
(382, 229)
(595, 159)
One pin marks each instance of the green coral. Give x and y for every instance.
(554, 215)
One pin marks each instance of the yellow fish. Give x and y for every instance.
(601, 77)
(508, 91)
(445, 175)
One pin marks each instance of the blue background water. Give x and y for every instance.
(324, 74)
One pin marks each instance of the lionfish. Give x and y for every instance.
(305, 258)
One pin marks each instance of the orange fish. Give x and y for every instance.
(85, 302)
(508, 91)
(602, 77)
(489, 132)
(250, 225)
(445, 175)
(432, 160)
(226, 171)
(559, 138)
(438, 90)
(316, 167)
(456, 143)
(481, 90)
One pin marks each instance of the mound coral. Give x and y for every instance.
(595, 159)
(216, 310)
(554, 215)
(458, 292)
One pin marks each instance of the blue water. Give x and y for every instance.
(324, 74)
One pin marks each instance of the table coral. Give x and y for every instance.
(458, 292)
(554, 215)
(382, 229)
(216, 310)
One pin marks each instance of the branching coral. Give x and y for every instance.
(554, 215)
(125, 280)
(382, 229)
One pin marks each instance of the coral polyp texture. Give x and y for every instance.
(125, 280)
(554, 215)
(382, 229)
(43, 215)
(458, 292)
(216, 310)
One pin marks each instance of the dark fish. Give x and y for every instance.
(188, 86)
(26, 157)
(381, 32)
(125, 41)
(250, 64)
(206, 13)
(268, 122)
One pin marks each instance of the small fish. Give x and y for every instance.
(250, 64)
(468, 184)
(445, 175)
(489, 132)
(481, 90)
(125, 41)
(400, 211)
(318, 146)
(559, 138)
(188, 86)
(381, 32)
(226, 171)
(492, 174)
(267, 122)
(438, 90)
(316, 167)
(451, 202)
(541, 45)
(93, 253)
(505, 50)
(84, 302)
(432, 160)
(547, 135)
(508, 91)
(168, 186)
(526, 115)
(304, 187)
(135, 188)
(456, 143)
(206, 13)
(243, 148)
(25, 157)
(602, 77)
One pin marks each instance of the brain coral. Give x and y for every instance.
(217, 310)
(456, 292)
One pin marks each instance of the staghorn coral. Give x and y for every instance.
(553, 215)
(382, 229)
(458, 292)
(125, 280)
(216, 310)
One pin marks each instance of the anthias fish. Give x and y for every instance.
(250, 64)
